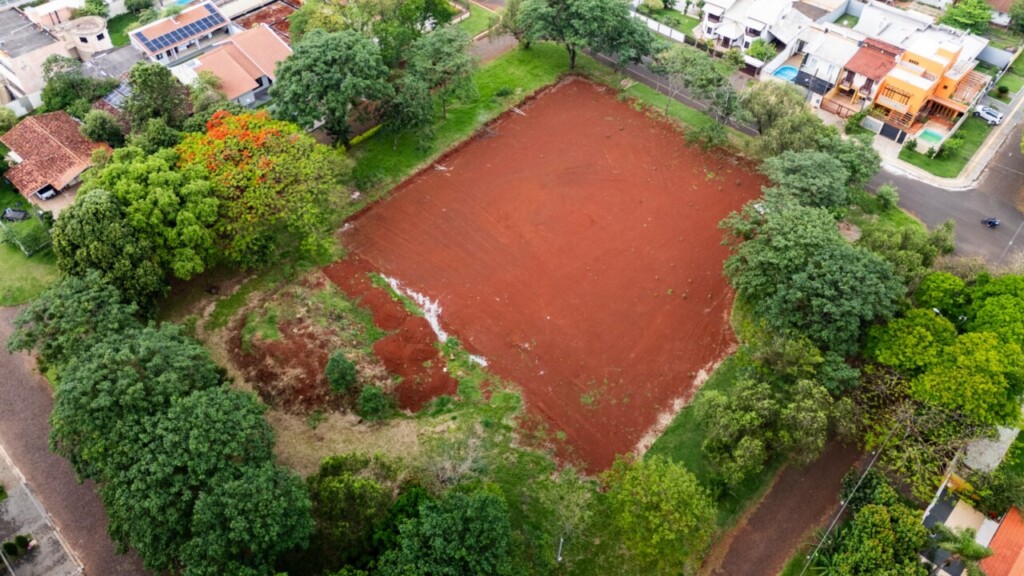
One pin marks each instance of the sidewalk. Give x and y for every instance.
(969, 176)
(21, 513)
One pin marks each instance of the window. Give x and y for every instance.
(101, 36)
(83, 39)
(714, 18)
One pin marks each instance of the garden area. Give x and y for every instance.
(22, 277)
(672, 18)
(1012, 80)
(951, 159)
(118, 26)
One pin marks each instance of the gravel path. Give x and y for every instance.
(24, 425)
(801, 500)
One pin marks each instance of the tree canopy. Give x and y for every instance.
(970, 15)
(175, 209)
(275, 185)
(884, 538)
(155, 93)
(328, 75)
(799, 274)
(459, 534)
(605, 25)
(442, 61)
(93, 234)
(814, 178)
(68, 88)
(662, 514)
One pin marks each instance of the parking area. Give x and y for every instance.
(22, 514)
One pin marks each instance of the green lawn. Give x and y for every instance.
(675, 19)
(382, 161)
(848, 20)
(682, 442)
(973, 131)
(1002, 38)
(21, 278)
(118, 26)
(1012, 81)
(478, 21)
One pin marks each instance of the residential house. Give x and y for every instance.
(1007, 547)
(24, 46)
(1000, 12)
(244, 64)
(274, 15)
(181, 36)
(822, 50)
(858, 80)
(48, 154)
(737, 23)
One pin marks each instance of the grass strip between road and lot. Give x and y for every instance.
(384, 160)
(479, 21)
(973, 132)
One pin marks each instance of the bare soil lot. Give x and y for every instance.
(575, 247)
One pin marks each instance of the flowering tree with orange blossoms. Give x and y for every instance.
(276, 185)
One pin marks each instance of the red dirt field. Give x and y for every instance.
(410, 349)
(576, 248)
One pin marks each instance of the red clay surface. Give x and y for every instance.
(576, 248)
(800, 501)
(410, 349)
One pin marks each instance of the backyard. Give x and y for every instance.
(674, 19)
(973, 132)
(478, 21)
(22, 277)
(118, 26)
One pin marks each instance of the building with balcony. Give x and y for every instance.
(24, 46)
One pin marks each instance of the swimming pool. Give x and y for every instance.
(930, 136)
(787, 73)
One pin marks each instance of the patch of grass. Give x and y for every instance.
(1004, 38)
(848, 20)
(410, 306)
(118, 27)
(1013, 82)
(338, 308)
(973, 131)
(865, 212)
(1013, 462)
(227, 307)
(674, 19)
(795, 566)
(478, 21)
(3, 493)
(682, 440)
(995, 95)
(263, 324)
(23, 277)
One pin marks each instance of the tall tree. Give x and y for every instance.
(69, 317)
(175, 209)
(662, 514)
(961, 547)
(970, 15)
(913, 343)
(155, 93)
(203, 444)
(327, 77)
(106, 395)
(885, 538)
(460, 534)
(409, 109)
(92, 234)
(799, 274)
(101, 126)
(442, 60)
(68, 88)
(814, 178)
(508, 22)
(577, 24)
(767, 102)
(275, 184)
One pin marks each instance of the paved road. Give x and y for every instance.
(24, 425)
(995, 195)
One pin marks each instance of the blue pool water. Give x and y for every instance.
(787, 73)
(929, 135)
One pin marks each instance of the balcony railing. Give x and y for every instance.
(892, 104)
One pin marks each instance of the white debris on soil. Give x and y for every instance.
(346, 226)
(355, 195)
(667, 416)
(431, 312)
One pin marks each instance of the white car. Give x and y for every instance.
(989, 114)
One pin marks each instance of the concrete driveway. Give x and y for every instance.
(74, 508)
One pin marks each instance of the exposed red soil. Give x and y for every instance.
(576, 248)
(287, 372)
(410, 349)
(800, 501)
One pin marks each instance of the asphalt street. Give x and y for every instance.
(995, 195)
(75, 509)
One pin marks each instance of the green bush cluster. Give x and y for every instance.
(340, 372)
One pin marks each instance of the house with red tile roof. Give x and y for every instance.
(245, 65)
(47, 153)
(1007, 547)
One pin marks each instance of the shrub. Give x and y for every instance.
(10, 549)
(7, 119)
(888, 197)
(910, 144)
(340, 372)
(374, 403)
(504, 91)
(853, 122)
(950, 147)
(21, 541)
(1003, 90)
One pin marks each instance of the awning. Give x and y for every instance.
(729, 30)
(951, 104)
